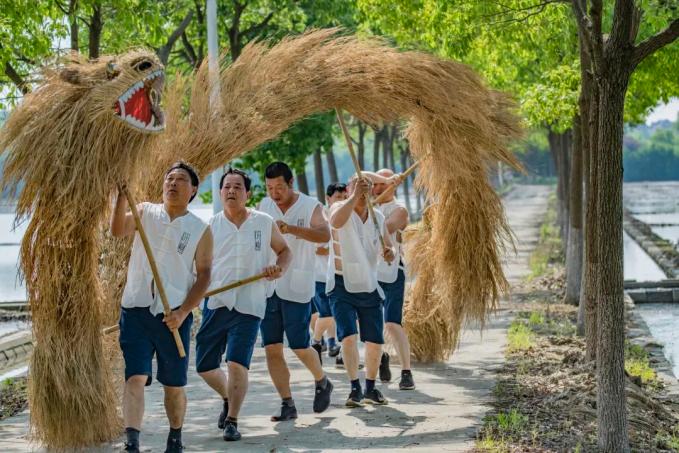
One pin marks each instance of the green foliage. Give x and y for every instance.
(652, 153)
(500, 428)
(637, 364)
(549, 249)
(519, 337)
(536, 320)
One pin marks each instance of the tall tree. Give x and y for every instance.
(318, 175)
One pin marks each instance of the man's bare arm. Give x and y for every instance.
(317, 232)
(122, 222)
(397, 221)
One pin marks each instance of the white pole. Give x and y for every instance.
(213, 70)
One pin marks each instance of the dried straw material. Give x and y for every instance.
(67, 149)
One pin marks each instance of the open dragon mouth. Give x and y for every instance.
(139, 106)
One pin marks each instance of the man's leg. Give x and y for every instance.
(238, 387)
(323, 325)
(216, 379)
(350, 356)
(371, 321)
(133, 401)
(175, 405)
(278, 369)
(373, 354)
(400, 339)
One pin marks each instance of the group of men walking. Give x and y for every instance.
(334, 260)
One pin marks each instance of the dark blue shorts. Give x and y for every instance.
(365, 307)
(321, 301)
(393, 298)
(287, 317)
(225, 330)
(142, 335)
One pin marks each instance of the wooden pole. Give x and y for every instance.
(154, 267)
(236, 284)
(371, 209)
(384, 195)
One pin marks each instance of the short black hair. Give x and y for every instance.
(276, 169)
(235, 171)
(335, 187)
(181, 165)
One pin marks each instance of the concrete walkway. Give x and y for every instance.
(442, 414)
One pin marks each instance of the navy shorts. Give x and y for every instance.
(321, 301)
(291, 318)
(225, 330)
(142, 336)
(348, 307)
(393, 298)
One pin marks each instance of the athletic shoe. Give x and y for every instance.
(221, 422)
(322, 397)
(407, 382)
(131, 447)
(287, 413)
(334, 350)
(339, 362)
(385, 372)
(317, 347)
(355, 398)
(231, 431)
(174, 446)
(374, 396)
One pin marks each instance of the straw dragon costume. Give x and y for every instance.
(91, 125)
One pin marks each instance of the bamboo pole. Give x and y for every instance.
(371, 209)
(384, 195)
(154, 267)
(236, 284)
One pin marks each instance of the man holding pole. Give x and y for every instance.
(352, 286)
(392, 281)
(300, 219)
(181, 242)
(246, 241)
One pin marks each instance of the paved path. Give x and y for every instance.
(442, 414)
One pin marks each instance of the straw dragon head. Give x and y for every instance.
(126, 87)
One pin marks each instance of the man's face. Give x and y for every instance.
(339, 195)
(378, 188)
(233, 193)
(177, 188)
(279, 191)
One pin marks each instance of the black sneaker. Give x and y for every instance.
(339, 362)
(322, 397)
(287, 413)
(317, 347)
(407, 382)
(385, 372)
(131, 447)
(374, 396)
(355, 398)
(334, 350)
(231, 431)
(174, 446)
(221, 422)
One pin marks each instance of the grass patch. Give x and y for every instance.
(668, 441)
(519, 337)
(637, 364)
(501, 428)
(13, 396)
(549, 249)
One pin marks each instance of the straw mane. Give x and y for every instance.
(64, 144)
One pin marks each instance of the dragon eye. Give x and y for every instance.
(143, 65)
(112, 70)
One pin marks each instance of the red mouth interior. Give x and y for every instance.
(139, 106)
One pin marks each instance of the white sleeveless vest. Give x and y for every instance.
(385, 272)
(360, 249)
(241, 253)
(298, 283)
(174, 248)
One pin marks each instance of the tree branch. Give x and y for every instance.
(164, 51)
(252, 31)
(626, 18)
(656, 42)
(190, 52)
(16, 78)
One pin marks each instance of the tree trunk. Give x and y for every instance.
(318, 175)
(376, 148)
(556, 146)
(73, 24)
(406, 182)
(362, 129)
(302, 184)
(611, 409)
(574, 247)
(332, 166)
(592, 268)
(387, 142)
(96, 26)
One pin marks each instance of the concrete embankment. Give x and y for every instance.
(659, 249)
